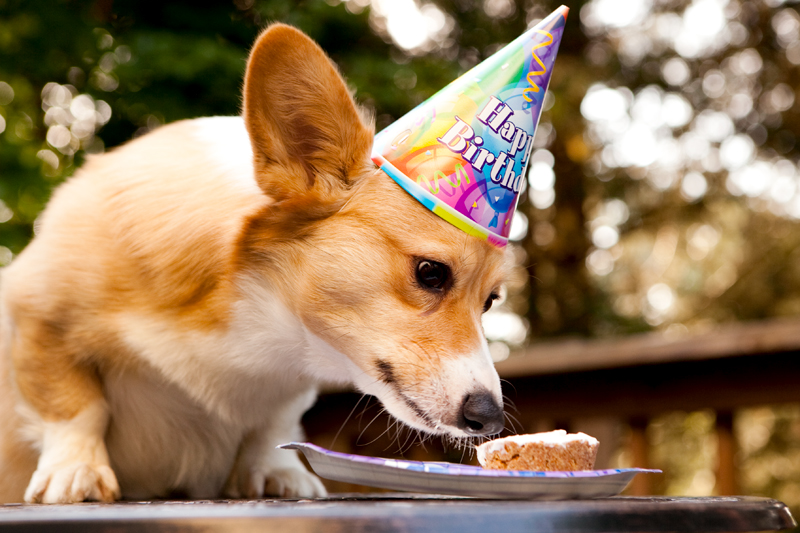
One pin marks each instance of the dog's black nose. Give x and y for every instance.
(480, 414)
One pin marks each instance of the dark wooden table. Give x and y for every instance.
(348, 513)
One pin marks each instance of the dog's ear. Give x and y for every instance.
(304, 126)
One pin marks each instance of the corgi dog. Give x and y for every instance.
(186, 293)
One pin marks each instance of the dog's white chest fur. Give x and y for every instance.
(161, 441)
(179, 425)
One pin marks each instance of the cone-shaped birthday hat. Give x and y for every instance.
(464, 151)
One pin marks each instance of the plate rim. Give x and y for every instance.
(459, 470)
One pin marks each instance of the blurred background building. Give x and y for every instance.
(663, 193)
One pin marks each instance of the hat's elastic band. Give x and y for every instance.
(437, 206)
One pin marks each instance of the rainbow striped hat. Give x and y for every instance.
(464, 151)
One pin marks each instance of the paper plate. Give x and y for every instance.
(464, 480)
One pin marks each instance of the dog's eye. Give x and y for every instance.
(488, 303)
(433, 274)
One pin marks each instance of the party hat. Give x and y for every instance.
(464, 151)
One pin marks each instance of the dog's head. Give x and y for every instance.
(390, 294)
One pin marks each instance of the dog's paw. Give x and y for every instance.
(75, 482)
(293, 483)
(282, 482)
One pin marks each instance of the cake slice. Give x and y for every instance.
(542, 452)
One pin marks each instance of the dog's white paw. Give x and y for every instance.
(282, 482)
(293, 483)
(74, 482)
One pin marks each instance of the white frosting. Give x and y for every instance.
(559, 437)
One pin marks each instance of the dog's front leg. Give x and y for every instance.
(263, 470)
(74, 466)
(63, 398)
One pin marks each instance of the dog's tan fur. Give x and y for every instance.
(170, 321)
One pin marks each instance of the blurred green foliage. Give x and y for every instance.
(152, 62)
(679, 262)
(156, 62)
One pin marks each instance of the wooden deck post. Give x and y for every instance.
(640, 486)
(726, 453)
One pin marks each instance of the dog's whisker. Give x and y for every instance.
(410, 438)
(512, 421)
(509, 384)
(364, 409)
(368, 425)
(421, 438)
(390, 426)
(346, 420)
(397, 441)
(508, 402)
(396, 427)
